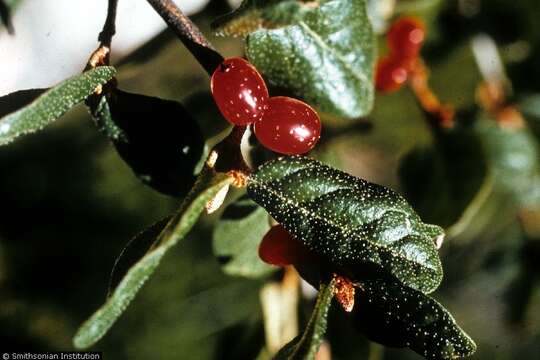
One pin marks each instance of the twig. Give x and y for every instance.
(188, 33)
(439, 115)
(101, 56)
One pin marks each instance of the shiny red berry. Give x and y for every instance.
(239, 91)
(288, 126)
(405, 38)
(279, 248)
(390, 74)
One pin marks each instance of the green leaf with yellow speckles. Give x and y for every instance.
(52, 104)
(325, 56)
(352, 223)
(398, 316)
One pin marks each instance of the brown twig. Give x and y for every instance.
(190, 35)
(101, 56)
(440, 115)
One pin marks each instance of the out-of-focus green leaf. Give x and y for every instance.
(349, 221)
(398, 316)
(52, 104)
(326, 57)
(157, 138)
(441, 180)
(306, 345)
(512, 154)
(255, 14)
(208, 185)
(237, 236)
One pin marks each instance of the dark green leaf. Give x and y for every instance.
(52, 104)
(349, 221)
(207, 186)
(157, 138)
(306, 346)
(17, 100)
(326, 58)
(398, 316)
(237, 236)
(452, 170)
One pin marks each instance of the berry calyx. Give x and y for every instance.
(288, 126)
(405, 38)
(279, 248)
(239, 91)
(390, 74)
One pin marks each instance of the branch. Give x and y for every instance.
(101, 56)
(188, 33)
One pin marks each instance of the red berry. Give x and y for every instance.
(278, 247)
(390, 75)
(288, 126)
(239, 91)
(405, 38)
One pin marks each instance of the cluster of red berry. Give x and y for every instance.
(405, 38)
(282, 124)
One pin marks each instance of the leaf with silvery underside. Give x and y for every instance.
(207, 186)
(306, 345)
(237, 236)
(252, 15)
(398, 316)
(349, 222)
(326, 57)
(52, 104)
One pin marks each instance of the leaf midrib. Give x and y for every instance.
(331, 223)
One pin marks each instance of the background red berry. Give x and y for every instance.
(288, 126)
(390, 74)
(405, 38)
(239, 91)
(278, 247)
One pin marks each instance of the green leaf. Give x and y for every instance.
(157, 138)
(452, 170)
(398, 316)
(306, 346)
(52, 104)
(349, 221)
(6, 10)
(512, 154)
(207, 186)
(326, 58)
(256, 14)
(237, 236)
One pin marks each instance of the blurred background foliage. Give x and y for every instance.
(70, 204)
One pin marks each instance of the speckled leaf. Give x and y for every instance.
(237, 236)
(349, 221)
(256, 14)
(52, 104)
(157, 138)
(207, 186)
(326, 58)
(398, 316)
(306, 345)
